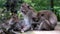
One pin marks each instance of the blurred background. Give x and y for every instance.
(8, 6)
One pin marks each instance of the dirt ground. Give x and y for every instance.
(57, 28)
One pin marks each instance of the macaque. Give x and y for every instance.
(48, 20)
(15, 23)
(11, 24)
(27, 13)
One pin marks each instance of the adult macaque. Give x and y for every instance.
(28, 13)
(48, 20)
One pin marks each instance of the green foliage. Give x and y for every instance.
(2, 2)
(10, 2)
(37, 5)
(57, 8)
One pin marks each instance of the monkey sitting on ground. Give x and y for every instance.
(8, 26)
(47, 20)
(27, 13)
(17, 24)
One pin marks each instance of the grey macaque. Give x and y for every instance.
(27, 13)
(47, 20)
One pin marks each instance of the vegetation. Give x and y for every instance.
(36, 4)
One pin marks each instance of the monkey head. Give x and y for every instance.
(24, 8)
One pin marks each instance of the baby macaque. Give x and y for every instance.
(11, 23)
(15, 23)
(48, 20)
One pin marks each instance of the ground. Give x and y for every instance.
(58, 27)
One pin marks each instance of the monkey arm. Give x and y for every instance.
(47, 21)
(40, 25)
(49, 24)
(44, 23)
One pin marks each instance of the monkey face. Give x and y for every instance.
(24, 8)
